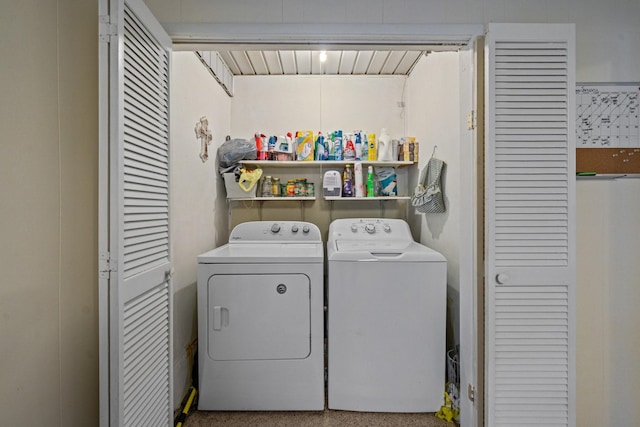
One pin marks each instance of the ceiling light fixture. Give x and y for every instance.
(323, 56)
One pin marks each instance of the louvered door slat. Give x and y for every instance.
(530, 211)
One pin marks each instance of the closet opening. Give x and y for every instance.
(418, 81)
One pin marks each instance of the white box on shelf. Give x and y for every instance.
(234, 191)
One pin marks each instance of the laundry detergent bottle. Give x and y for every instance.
(373, 147)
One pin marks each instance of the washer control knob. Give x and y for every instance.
(354, 228)
(305, 229)
(275, 228)
(387, 228)
(502, 278)
(294, 228)
(370, 228)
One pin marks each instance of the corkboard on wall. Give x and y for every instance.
(608, 160)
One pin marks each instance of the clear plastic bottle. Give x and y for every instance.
(267, 187)
(347, 181)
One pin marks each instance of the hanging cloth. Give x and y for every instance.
(428, 197)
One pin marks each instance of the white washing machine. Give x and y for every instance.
(261, 319)
(386, 319)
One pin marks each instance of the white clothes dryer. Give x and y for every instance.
(386, 318)
(261, 319)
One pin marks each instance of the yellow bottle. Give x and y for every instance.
(373, 147)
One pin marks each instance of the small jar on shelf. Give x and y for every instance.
(267, 186)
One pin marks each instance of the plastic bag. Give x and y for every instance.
(232, 151)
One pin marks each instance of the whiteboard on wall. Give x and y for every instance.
(607, 115)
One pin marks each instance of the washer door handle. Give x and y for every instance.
(220, 317)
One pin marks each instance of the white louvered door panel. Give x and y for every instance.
(530, 220)
(140, 294)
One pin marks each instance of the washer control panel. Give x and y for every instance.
(275, 231)
(369, 228)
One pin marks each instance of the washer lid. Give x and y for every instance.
(345, 245)
(367, 251)
(264, 253)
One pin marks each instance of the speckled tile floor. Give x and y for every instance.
(327, 418)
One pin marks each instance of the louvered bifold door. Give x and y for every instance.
(530, 225)
(140, 288)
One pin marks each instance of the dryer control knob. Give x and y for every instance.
(387, 228)
(370, 228)
(294, 228)
(305, 229)
(275, 228)
(354, 228)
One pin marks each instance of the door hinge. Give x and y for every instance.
(471, 393)
(471, 120)
(106, 265)
(106, 28)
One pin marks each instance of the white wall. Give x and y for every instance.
(48, 213)
(198, 208)
(275, 105)
(608, 297)
(433, 109)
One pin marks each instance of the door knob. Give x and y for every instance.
(502, 278)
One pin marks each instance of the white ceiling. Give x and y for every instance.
(307, 62)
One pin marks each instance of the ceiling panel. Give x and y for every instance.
(258, 63)
(407, 63)
(242, 61)
(228, 59)
(377, 62)
(316, 64)
(272, 59)
(347, 61)
(392, 62)
(305, 62)
(288, 61)
(362, 62)
(332, 64)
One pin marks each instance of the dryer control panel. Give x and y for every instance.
(276, 231)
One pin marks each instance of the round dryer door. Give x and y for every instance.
(259, 316)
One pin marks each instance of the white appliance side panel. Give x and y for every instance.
(386, 336)
(259, 316)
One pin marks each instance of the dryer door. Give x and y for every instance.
(259, 316)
